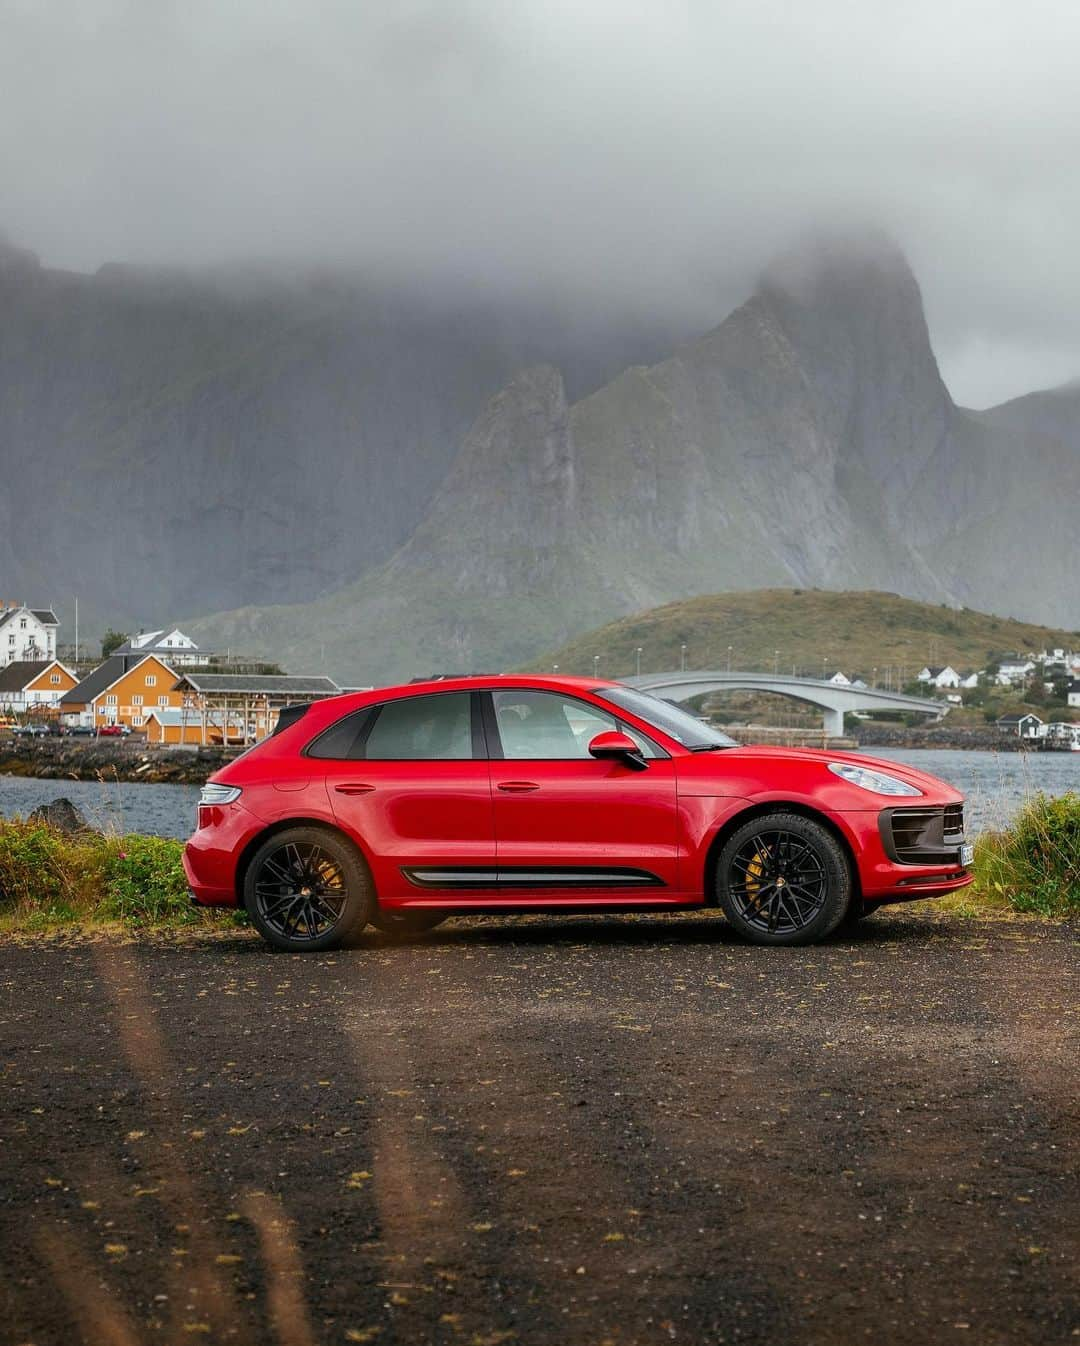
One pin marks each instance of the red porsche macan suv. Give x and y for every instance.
(402, 806)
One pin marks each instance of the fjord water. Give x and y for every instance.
(996, 784)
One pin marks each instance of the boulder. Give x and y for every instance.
(63, 815)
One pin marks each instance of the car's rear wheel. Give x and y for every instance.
(307, 889)
(405, 922)
(783, 879)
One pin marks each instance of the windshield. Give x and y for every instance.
(678, 724)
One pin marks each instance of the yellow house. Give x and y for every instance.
(122, 690)
(34, 685)
(166, 724)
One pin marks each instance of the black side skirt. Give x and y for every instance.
(554, 877)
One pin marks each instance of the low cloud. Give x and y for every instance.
(644, 154)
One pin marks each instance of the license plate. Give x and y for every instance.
(967, 853)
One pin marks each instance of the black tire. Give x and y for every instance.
(406, 922)
(857, 912)
(783, 879)
(307, 889)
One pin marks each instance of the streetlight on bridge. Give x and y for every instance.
(682, 657)
(637, 655)
(729, 649)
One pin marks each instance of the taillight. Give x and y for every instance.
(218, 794)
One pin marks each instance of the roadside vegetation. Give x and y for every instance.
(51, 879)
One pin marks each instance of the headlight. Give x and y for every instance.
(866, 779)
(218, 794)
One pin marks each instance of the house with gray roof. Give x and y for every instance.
(27, 635)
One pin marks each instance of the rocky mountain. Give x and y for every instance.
(176, 443)
(807, 440)
(296, 453)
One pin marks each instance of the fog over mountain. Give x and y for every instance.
(809, 439)
(656, 151)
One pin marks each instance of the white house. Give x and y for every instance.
(1074, 693)
(972, 680)
(940, 677)
(1014, 672)
(174, 647)
(27, 635)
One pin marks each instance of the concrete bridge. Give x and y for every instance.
(833, 699)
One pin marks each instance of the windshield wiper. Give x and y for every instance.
(711, 747)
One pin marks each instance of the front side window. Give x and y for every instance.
(684, 728)
(544, 726)
(435, 728)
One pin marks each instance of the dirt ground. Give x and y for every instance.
(560, 1131)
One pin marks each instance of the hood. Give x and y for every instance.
(922, 780)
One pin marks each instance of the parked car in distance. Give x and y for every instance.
(404, 805)
(117, 730)
(33, 729)
(80, 730)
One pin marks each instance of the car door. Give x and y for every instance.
(566, 823)
(410, 780)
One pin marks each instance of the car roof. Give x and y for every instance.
(472, 682)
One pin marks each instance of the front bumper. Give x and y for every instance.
(902, 857)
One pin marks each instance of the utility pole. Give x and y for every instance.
(76, 631)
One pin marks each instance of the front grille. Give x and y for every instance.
(923, 836)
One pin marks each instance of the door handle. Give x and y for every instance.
(353, 788)
(518, 787)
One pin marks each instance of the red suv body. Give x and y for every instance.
(403, 805)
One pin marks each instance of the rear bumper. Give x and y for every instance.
(213, 851)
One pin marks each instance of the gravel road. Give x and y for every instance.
(555, 1131)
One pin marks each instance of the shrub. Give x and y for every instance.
(48, 877)
(1034, 863)
(145, 884)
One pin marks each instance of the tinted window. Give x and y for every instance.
(345, 739)
(683, 727)
(424, 728)
(546, 726)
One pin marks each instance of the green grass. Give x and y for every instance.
(854, 631)
(1033, 865)
(50, 879)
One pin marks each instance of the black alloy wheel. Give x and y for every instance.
(783, 879)
(307, 889)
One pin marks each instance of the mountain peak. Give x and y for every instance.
(824, 268)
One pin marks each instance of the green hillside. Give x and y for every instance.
(809, 629)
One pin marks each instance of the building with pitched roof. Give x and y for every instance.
(27, 635)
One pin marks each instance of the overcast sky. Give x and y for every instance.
(656, 151)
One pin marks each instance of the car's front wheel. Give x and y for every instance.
(307, 889)
(783, 879)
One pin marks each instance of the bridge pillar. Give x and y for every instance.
(834, 722)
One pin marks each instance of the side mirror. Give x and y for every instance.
(615, 747)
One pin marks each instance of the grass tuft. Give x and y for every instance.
(1033, 864)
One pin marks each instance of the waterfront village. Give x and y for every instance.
(161, 689)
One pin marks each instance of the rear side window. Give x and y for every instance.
(416, 728)
(345, 739)
(423, 728)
